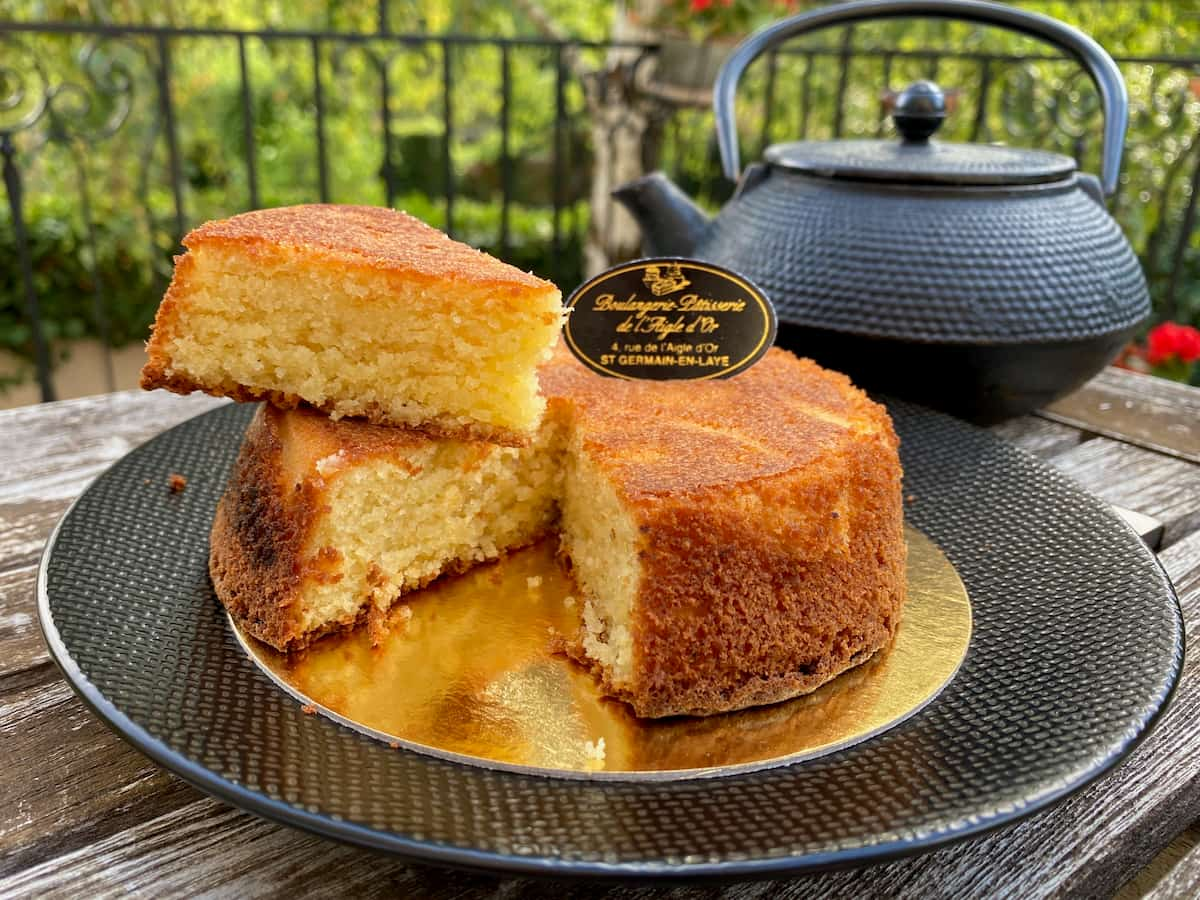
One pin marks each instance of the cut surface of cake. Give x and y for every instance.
(358, 311)
(327, 523)
(734, 542)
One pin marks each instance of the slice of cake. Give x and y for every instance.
(358, 311)
(737, 542)
(326, 523)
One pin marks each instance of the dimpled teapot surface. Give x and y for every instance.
(979, 279)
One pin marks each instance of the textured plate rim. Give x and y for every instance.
(444, 854)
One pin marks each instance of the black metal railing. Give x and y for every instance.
(115, 139)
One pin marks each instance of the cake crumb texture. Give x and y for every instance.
(296, 554)
(357, 311)
(733, 542)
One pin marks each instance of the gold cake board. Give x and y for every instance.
(469, 670)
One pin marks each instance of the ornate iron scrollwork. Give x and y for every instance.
(56, 110)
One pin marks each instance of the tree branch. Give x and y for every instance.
(626, 28)
(549, 28)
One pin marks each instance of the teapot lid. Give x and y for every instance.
(916, 159)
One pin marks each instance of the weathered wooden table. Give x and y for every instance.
(82, 813)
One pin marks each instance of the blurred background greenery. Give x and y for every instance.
(100, 202)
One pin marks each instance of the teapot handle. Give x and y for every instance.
(1094, 59)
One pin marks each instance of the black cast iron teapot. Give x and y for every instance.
(982, 280)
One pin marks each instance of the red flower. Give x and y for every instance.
(1172, 340)
(701, 5)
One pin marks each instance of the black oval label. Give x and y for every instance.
(669, 318)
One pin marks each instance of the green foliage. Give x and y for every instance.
(128, 173)
(66, 279)
(530, 233)
(708, 19)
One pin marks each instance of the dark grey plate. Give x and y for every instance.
(1078, 642)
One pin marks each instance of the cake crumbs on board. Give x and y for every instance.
(400, 617)
(176, 482)
(382, 622)
(309, 709)
(593, 751)
(556, 643)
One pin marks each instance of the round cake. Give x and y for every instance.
(738, 541)
(735, 542)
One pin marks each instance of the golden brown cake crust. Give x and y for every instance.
(257, 536)
(154, 375)
(385, 240)
(658, 437)
(770, 527)
(749, 625)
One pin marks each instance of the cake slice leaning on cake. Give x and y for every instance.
(358, 311)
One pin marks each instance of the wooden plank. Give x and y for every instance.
(1169, 872)
(1144, 481)
(21, 645)
(68, 780)
(248, 857)
(52, 452)
(1086, 847)
(1039, 436)
(1182, 879)
(1140, 409)
(1148, 528)
(49, 448)
(25, 525)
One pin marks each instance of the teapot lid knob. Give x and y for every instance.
(919, 111)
